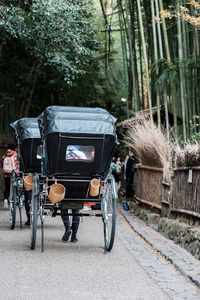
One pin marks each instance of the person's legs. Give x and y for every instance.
(128, 195)
(65, 218)
(28, 196)
(7, 188)
(75, 225)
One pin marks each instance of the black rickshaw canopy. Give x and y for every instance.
(25, 128)
(27, 136)
(71, 119)
(79, 141)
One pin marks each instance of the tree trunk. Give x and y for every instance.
(180, 53)
(145, 58)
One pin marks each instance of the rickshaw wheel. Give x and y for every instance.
(42, 199)
(109, 213)
(20, 217)
(20, 200)
(12, 206)
(34, 212)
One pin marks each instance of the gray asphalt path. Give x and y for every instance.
(66, 270)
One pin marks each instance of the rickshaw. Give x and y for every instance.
(27, 138)
(77, 148)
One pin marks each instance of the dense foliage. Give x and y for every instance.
(48, 55)
(160, 50)
(54, 33)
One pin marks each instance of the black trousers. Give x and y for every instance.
(28, 196)
(75, 220)
(129, 184)
(7, 187)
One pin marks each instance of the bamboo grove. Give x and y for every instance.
(160, 51)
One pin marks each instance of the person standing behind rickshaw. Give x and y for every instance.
(9, 163)
(70, 229)
(130, 171)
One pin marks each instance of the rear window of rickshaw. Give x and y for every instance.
(80, 153)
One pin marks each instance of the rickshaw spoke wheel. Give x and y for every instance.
(109, 213)
(42, 235)
(42, 221)
(12, 205)
(34, 212)
(20, 217)
(20, 204)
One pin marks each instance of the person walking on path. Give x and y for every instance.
(9, 163)
(70, 229)
(130, 171)
(27, 202)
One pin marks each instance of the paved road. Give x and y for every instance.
(80, 271)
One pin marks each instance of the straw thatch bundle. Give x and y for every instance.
(189, 156)
(151, 146)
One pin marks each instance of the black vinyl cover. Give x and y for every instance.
(56, 151)
(25, 128)
(27, 136)
(71, 119)
(28, 156)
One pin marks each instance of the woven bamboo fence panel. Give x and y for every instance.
(186, 191)
(148, 185)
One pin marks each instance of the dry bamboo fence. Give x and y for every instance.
(148, 186)
(181, 199)
(166, 195)
(185, 196)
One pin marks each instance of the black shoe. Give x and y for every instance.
(27, 223)
(74, 239)
(66, 235)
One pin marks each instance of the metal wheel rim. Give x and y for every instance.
(108, 217)
(32, 213)
(12, 207)
(109, 213)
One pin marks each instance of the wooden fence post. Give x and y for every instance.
(165, 200)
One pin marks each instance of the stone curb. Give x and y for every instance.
(186, 264)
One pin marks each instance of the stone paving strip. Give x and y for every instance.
(181, 259)
(170, 266)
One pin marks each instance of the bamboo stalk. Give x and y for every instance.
(150, 168)
(141, 67)
(186, 212)
(134, 99)
(145, 58)
(124, 54)
(165, 33)
(180, 54)
(151, 204)
(106, 26)
(186, 85)
(186, 168)
(125, 38)
(156, 59)
(167, 50)
(134, 48)
(162, 56)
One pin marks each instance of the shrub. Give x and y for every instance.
(188, 156)
(150, 145)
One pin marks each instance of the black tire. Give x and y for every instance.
(20, 203)
(34, 214)
(42, 221)
(42, 235)
(109, 216)
(12, 207)
(20, 217)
